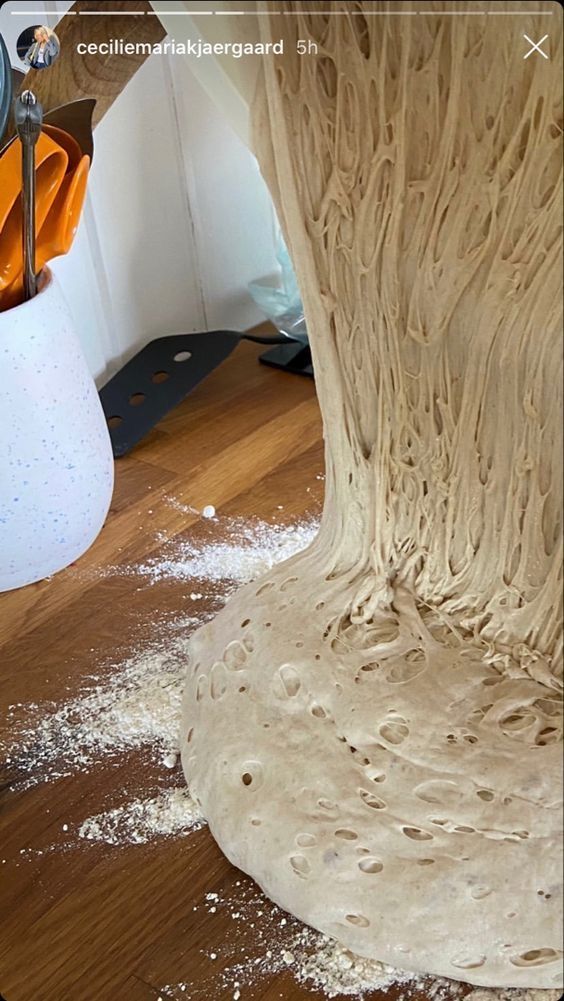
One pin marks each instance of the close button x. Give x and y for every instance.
(536, 46)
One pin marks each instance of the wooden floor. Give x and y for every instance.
(91, 922)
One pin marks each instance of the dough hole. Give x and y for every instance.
(536, 957)
(486, 794)
(290, 680)
(306, 840)
(235, 655)
(404, 672)
(479, 892)
(346, 834)
(549, 735)
(300, 865)
(218, 681)
(437, 791)
(394, 732)
(417, 834)
(374, 802)
(357, 919)
(469, 963)
(330, 810)
(318, 711)
(370, 865)
(326, 76)
(252, 774)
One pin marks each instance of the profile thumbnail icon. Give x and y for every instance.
(38, 47)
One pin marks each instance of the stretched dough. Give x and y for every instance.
(373, 730)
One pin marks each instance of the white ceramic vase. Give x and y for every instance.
(56, 463)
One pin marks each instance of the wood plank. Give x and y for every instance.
(101, 75)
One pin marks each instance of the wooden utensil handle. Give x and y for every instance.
(102, 76)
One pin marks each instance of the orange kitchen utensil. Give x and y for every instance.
(51, 165)
(67, 142)
(58, 231)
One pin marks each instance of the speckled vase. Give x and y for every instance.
(56, 464)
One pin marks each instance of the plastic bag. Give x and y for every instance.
(282, 305)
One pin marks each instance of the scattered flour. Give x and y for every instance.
(263, 941)
(335, 970)
(136, 705)
(246, 551)
(513, 994)
(172, 812)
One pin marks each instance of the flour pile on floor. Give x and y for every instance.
(136, 705)
(247, 551)
(335, 970)
(172, 812)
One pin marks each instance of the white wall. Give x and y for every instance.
(177, 219)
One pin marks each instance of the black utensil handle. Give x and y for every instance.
(28, 220)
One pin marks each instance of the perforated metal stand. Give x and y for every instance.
(167, 369)
(157, 379)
